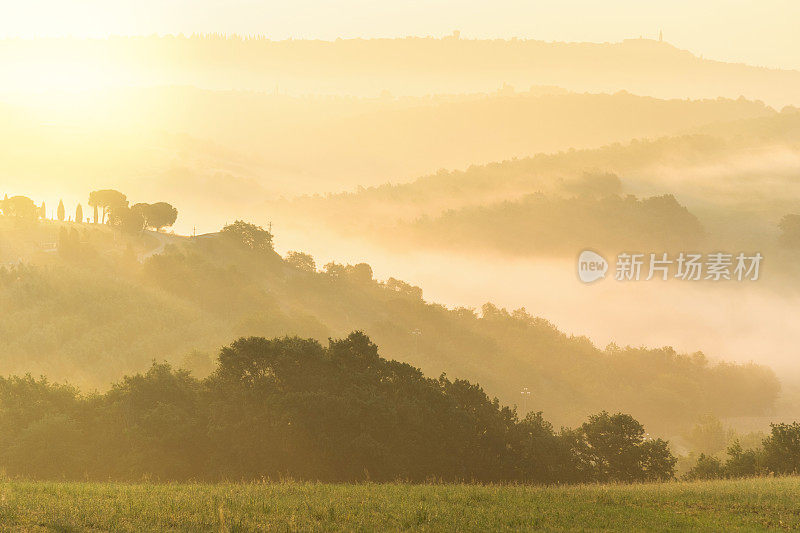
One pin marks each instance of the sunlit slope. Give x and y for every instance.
(409, 66)
(93, 318)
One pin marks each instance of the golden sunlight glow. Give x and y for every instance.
(199, 197)
(71, 76)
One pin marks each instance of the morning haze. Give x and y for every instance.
(229, 258)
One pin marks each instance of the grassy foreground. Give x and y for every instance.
(754, 504)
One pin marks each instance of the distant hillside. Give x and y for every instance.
(725, 174)
(409, 66)
(93, 317)
(537, 225)
(208, 151)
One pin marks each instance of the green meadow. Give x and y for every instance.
(748, 505)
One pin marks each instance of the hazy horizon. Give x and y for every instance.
(722, 30)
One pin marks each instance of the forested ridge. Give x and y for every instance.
(713, 186)
(539, 225)
(92, 317)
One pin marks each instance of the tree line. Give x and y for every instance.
(779, 454)
(291, 407)
(538, 224)
(109, 207)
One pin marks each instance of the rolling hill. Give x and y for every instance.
(94, 317)
(724, 174)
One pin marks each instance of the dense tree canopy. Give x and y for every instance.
(291, 407)
(301, 261)
(616, 447)
(248, 236)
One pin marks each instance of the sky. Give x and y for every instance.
(760, 33)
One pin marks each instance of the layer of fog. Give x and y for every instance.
(733, 321)
(743, 195)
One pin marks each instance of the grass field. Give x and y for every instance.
(749, 505)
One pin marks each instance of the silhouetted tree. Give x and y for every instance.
(743, 463)
(79, 214)
(360, 273)
(248, 235)
(21, 207)
(615, 448)
(158, 215)
(782, 449)
(107, 200)
(60, 212)
(161, 215)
